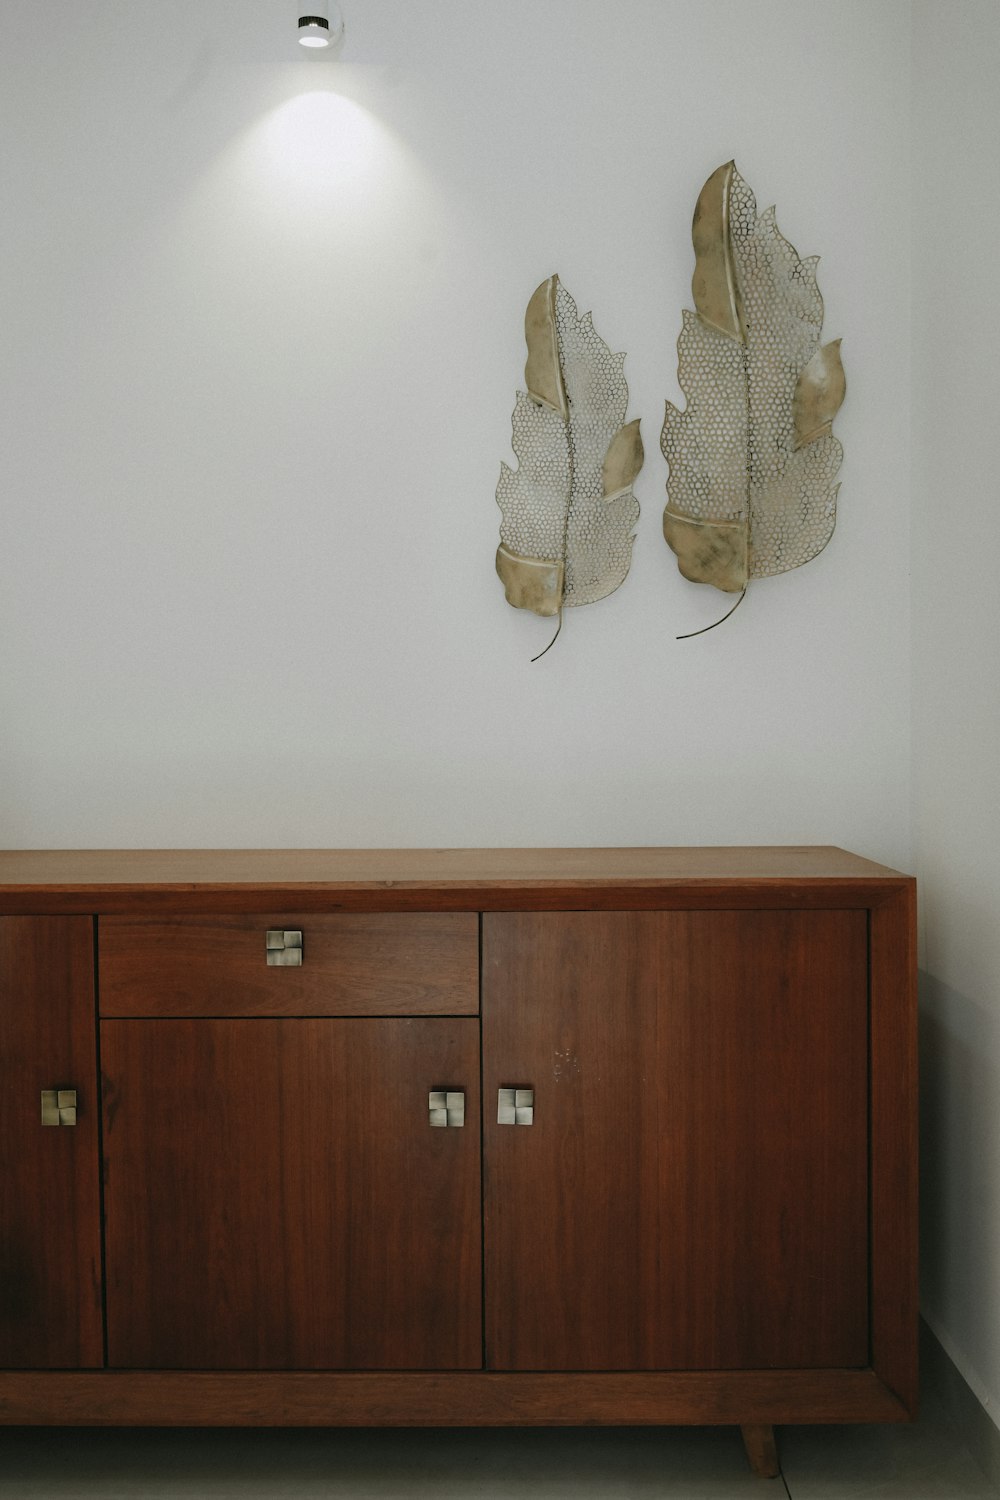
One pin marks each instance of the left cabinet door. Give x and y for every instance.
(50, 1215)
(277, 1197)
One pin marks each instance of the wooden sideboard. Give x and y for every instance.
(457, 1137)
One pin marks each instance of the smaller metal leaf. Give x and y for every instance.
(568, 511)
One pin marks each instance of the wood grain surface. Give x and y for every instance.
(693, 1192)
(895, 1152)
(277, 1199)
(762, 1065)
(262, 880)
(570, 1211)
(400, 964)
(446, 1399)
(50, 1224)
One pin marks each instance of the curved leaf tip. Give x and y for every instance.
(714, 285)
(542, 371)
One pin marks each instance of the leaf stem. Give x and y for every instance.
(553, 640)
(692, 633)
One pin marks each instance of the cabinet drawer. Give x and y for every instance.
(385, 964)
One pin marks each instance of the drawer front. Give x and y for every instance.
(384, 964)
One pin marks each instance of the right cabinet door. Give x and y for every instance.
(692, 1189)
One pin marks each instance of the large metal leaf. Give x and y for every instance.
(752, 457)
(568, 511)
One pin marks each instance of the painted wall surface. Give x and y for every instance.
(956, 529)
(262, 332)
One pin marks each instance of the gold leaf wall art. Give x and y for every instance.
(752, 457)
(568, 511)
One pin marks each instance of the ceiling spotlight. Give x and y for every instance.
(321, 31)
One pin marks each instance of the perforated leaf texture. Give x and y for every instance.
(568, 510)
(751, 491)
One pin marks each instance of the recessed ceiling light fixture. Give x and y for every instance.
(321, 31)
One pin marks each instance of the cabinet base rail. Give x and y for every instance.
(751, 1399)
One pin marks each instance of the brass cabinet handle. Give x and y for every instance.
(446, 1107)
(284, 949)
(58, 1106)
(515, 1107)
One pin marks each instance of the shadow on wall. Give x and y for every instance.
(960, 1182)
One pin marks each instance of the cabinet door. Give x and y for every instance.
(692, 1192)
(50, 1228)
(569, 1011)
(276, 1197)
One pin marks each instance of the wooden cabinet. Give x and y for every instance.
(702, 1211)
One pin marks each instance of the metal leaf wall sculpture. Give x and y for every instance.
(752, 457)
(568, 508)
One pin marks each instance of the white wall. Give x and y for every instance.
(956, 529)
(262, 330)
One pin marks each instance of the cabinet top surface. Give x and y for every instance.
(122, 870)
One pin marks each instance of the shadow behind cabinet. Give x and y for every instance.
(686, 1193)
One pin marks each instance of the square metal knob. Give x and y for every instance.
(516, 1107)
(58, 1106)
(446, 1107)
(284, 949)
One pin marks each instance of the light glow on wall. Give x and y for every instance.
(324, 140)
(322, 147)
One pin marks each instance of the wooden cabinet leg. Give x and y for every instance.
(761, 1450)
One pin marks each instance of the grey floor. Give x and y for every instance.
(925, 1461)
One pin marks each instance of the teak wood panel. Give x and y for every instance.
(570, 1211)
(693, 1192)
(894, 1128)
(277, 1199)
(396, 964)
(445, 1398)
(763, 1076)
(50, 1225)
(158, 882)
